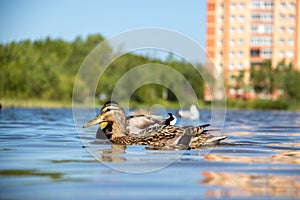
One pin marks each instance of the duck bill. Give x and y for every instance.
(94, 121)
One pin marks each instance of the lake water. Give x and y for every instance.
(41, 157)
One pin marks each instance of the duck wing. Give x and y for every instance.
(207, 140)
(179, 137)
(135, 124)
(170, 135)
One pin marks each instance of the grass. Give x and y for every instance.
(263, 104)
(34, 103)
(230, 104)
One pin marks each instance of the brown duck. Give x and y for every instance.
(159, 136)
(135, 124)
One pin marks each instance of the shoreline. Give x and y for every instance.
(33, 103)
(231, 104)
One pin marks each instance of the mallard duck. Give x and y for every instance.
(159, 136)
(134, 123)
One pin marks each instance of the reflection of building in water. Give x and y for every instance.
(253, 184)
(243, 33)
(250, 185)
(287, 157)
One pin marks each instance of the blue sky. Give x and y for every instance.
(66, 19)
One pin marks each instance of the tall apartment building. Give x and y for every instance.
(245, 33)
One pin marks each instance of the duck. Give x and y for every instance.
(193, 113)
(158, 136)
(134, 123)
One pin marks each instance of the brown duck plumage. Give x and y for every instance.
(159, 136)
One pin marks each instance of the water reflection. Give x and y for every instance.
(249, 185)
(277, 157)
(113, 154)
(30, 172)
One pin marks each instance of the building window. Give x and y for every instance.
(221, 6)
(254, 52)
(232, 18)
(241, 66)
(282, 5)
(242, 5)
(263, 28)
(221, 18)
(292, 5)
(220, 54)
(232, 42)
(241, 54)
(220, 31)
(266, 53)
(268, 17)
(282, 29)
(242, 19)
(232, 6)
(261, 41)
(291, 29)
(255, 5)
(282, 42)
(254, 28)
(254, 41)
(281, 54)
(232, 29)
(262, 5)
(268, 29)
(220, 42)
(231, 54)
(231, 66)
(290, 54)
(241, 41)
(268, 5)
(291, 17)
(241, 29)
(265, 16)
(255, 17)
(282, 16)
(291, 42)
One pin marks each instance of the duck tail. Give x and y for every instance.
(201, 129)
(204, 125)
(216, 139)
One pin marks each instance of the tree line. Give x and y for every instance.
(46, 69)
(283, 78)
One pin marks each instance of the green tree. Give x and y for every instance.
(262, 77)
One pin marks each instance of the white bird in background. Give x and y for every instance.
(193, 113)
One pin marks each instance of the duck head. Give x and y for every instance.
(112, 114)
